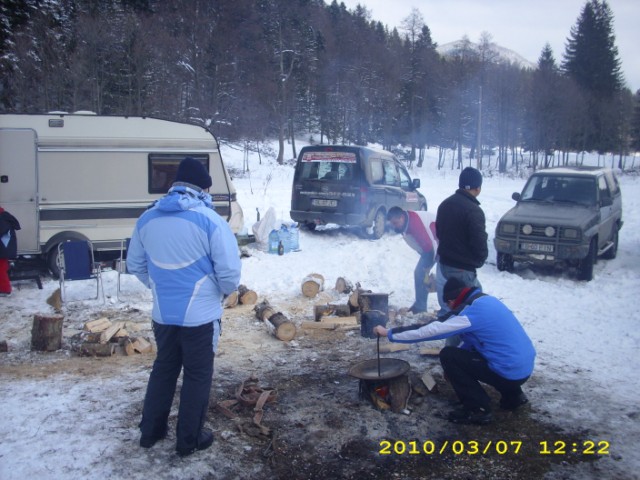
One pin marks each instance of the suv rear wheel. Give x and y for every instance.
(585, 269)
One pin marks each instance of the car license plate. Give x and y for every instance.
(321, 202)
(536, 247)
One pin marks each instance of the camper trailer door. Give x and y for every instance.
(18, 184)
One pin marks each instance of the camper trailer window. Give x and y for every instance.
(163, 168)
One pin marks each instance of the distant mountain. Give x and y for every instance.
(502, 54)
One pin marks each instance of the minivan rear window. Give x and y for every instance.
(328, 166)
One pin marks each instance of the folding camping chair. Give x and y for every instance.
(122, 263)
(78, 263)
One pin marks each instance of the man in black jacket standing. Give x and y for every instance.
(460, 226)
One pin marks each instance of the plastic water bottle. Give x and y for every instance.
(294, 237)
(274, 239)
(283, 235)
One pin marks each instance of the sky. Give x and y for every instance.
(522, 26)
(82, 422)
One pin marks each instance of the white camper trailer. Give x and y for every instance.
(84, 176)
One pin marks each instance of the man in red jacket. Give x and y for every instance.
(419, 231)
(8, 248)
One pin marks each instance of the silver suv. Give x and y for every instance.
(565, 217)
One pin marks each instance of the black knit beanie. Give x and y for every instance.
(470, 178)
(452, 289)
(193, 171)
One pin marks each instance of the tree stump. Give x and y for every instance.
(246, 296)
(312, 284)
(46, 334)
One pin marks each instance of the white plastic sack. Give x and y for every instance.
(263, 228)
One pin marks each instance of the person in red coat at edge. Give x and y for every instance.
(419, 231)
(8, 248)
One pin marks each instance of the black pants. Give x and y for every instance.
(466, 369)
(190, 348)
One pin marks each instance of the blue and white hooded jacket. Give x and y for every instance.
(186, 253)
(486, 326)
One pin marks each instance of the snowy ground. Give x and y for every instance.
(68, 417)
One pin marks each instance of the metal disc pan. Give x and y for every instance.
(389, 368)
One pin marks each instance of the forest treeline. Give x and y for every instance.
(256, 69)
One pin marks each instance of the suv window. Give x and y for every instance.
(405, 179)
(391, 176)
(556, 188)
(604, 188)
(612, 181)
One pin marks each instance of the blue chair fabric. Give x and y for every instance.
(78, 263)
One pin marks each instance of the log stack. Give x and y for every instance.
(101, 338)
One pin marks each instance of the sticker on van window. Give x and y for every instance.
(347, 157)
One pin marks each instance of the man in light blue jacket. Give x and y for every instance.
(186, 253)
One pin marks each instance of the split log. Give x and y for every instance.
(246, 296)
(122, 333)
(319, 325)
(92, 337)
(343, 285)
(328, 325)
(55, 300)
(231, 301)
(99, 325)
(430, 351)
(320, 311)
(428, 381)
(340, 320)
(97, 349)
(107, 334)
(394, 347)
(264, 310)
(312, 284)
(141, 345)
(46, 333)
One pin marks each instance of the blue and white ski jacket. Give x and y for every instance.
(186, 253)
(486, 326)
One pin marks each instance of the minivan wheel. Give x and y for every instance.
(379, 225)
(585, 269)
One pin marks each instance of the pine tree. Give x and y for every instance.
(635, 124)
(591, 61)
(591, 56)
